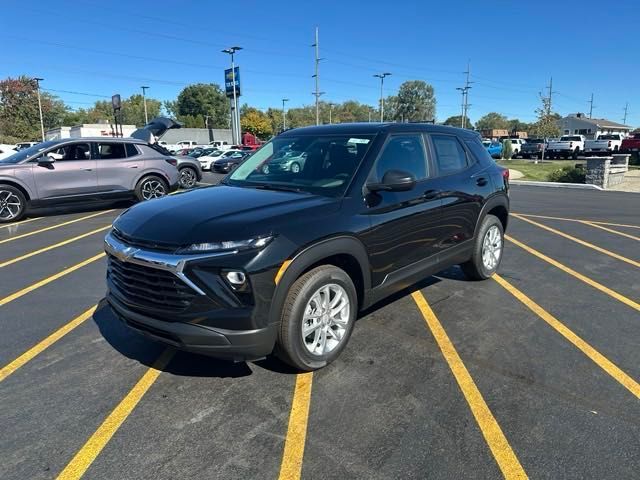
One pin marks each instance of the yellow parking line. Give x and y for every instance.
(591, 224)
(51, 247)
(20, 223)
(493, 435)
(576, 220)
(44, 344)
(45, 281)
(291, 465)
(581, 242)
(603, 362)
(579, 276)
(92, 448)
(46, 229)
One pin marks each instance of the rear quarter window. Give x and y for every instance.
(132, 150)
(479, 153)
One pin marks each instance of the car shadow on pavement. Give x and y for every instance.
(80, 208)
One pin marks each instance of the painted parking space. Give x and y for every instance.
(531, 374)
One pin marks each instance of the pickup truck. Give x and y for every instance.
(603, 144)
(567, 146)
(533, 148)
(631, 144)
(516, 146)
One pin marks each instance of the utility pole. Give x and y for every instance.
(591, 106)
(626, 110)
(317, 93)
(550, 88)
(38, 80)
(370, 114)
(284, 115)
(462, 122)
(235, 130)
(465, 97)
(381, 76)
(144, 100)
(330, 113)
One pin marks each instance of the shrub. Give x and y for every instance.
(567, 175)
(507, 150)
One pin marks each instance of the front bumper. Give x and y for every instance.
(184, 300)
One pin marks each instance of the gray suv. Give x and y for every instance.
(84, 169)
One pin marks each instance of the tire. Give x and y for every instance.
(150, 187)
(575, 154)
(13, 204)
(188, 178)
(295, 167)
(479, 268)
(305, 296)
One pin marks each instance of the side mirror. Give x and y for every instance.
(394, 181)
(46, 160)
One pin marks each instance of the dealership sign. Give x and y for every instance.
(228, 82)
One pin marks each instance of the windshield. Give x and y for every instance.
(609, 137)
(28, 152)
(570, 139)
(318, 164)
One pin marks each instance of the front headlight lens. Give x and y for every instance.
(258, 242)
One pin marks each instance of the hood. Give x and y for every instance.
(154, 130)
(218, 213)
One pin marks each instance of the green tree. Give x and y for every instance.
(516, 125)
(456, 121)
(256, 122)
(547, 124)
(415, 102)
(196, 101)
(492, 120)
(133, 109)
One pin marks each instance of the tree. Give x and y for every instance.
(256, 122)
(547, 124)
(199, 100)
(516, 125)
(456, 121)
(19, 113)
(133, 109)
(492, 121)
(415, 102)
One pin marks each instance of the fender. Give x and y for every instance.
(15, 181)
(497, 200)
(314, 253)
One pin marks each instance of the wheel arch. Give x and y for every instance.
(19, 186)
(345, 252)
(497, 205)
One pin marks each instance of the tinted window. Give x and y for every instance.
(111, 151)
(74, 151)
(450, 155)
(132, 151)
(402, 152)
(478, 151)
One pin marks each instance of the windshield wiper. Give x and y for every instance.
(281, 188)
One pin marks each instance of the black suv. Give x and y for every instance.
(277, 260)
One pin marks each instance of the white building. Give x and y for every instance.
(580, 124)
(87, 130)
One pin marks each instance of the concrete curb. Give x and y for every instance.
(529, 183)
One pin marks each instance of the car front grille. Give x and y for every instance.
(136, 242)
(139, 285)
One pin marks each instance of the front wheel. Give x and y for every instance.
(295, 167)
(487, 250)
(317, 318)
(13, 204)
(151, 187)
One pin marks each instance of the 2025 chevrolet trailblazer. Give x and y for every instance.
(275, 260)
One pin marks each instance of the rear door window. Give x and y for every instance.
(450, 154)
(132, 151)
(111, 151)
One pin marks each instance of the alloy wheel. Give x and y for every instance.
(491, 248)
(10, 205)
(325, 319)
(153, 189)
(187, 178)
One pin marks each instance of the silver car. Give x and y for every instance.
(83, 169)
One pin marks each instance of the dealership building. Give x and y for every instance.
(580, 124)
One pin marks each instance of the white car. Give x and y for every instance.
(206, 161)
(6, 150)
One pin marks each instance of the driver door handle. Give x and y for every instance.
(133, 166)
(87, 169)
(431, 194)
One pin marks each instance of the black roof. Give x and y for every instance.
(375, 128)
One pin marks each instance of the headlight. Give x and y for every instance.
(258, 242)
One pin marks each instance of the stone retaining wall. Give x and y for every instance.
(606, 172)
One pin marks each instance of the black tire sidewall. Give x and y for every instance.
(146, 179)
(23, 202)
(290, 332)
(487, 223)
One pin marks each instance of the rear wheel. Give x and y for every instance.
(487, 250)
(317, 318)
(295, 167)
(151, 187)
(13, 204)
(188, 177)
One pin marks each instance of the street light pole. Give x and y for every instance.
(144, 100)
(284, 115)
(38, 80)
(381, 76)
(235, 132)
(330, 113)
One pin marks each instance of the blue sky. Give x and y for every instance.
(110, 47)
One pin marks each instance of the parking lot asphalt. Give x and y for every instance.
(533, 373)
